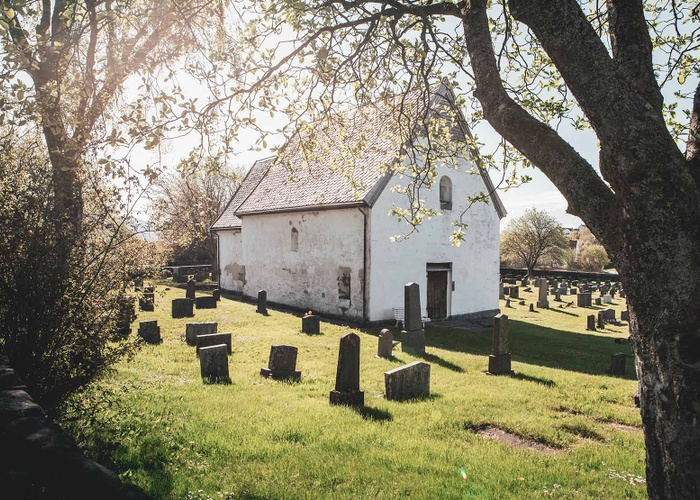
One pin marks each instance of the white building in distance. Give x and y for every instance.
(313, 225)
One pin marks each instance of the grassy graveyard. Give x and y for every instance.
(560, 427)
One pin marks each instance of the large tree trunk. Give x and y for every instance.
(663, 294)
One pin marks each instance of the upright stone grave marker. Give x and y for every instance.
(601, 320)
(194, 329)
(583, 300)
(385, 344)
(213, 363)
(262, 303)
(499, 360)
(542, 301)
(210, 339)
(147, 301)
(501, 293)
(190, 293)
(607, 299)
(311, 324)
(407, 382)
(216, 293)
(625, 316)
(182, 308)
(617, 364)
(514, 292)
(590, 325)
(347, 379)
(413, 333)
(149, 331)
(282, 363)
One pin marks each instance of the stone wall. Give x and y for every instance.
(38, 460)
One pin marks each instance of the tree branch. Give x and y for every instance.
(588, 196)
(632, 49)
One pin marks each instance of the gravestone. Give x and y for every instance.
(190, 294)
(385, 345)
(149, 331)
(147, 301)
(499, 360)
(598, 301)
(524, 281)
(584, 300)
(194, 329)
(542, 301)
(311, 324)
(601, 320)
(211, 339)
(206, 302)
(413, 333)
(532, 308)
(216, 293)
(573, 291)
(501, 293)
(282, 363)
(557, 295)
(610, 316)
(617, 364)
(182, 308)
(590, 325)
(213, 362)
(262, 303)
(347, 379)
(508, 303)
(514, 292)
(407, 382)
(625, 316)
(607, 299)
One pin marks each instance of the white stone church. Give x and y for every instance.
(314, 229)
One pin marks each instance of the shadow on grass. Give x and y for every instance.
(373, 414)
(441, 362)
(538, 345)
(562, 311)
(531, 378)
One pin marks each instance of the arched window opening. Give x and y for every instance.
(295, 240)
(445, 193)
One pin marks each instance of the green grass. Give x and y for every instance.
(257, 438)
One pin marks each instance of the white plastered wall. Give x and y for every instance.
(307, 278)
(475, 263)
(231, 261)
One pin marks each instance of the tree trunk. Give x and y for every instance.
(664, 305)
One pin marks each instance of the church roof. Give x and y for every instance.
(345, 162)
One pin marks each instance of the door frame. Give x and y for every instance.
(437, 267)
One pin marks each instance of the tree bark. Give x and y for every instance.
(649, 224)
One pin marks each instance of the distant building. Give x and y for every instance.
(321, 240)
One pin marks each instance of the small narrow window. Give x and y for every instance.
(445, 193)
(295, 240)
(344, 283)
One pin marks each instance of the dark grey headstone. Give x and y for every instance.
(617, 364)
(216, 293)
(598, 301)
(601, 320)
(610, 315)
(262, 303)
(501, 292)
(213, 362)
(194, 329)
(625, 316)
(499, 360)
(514, 292)
(385, 344)
(210, 339)
(311, 324)
(282, 363)
(412, 311)
(147, 301)
(183, 308)
(149, 331)
(347, 380)
(408, 382)
(206, 302)
(583, 300)
(190, 294)
(413, 341)
(590, 322)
